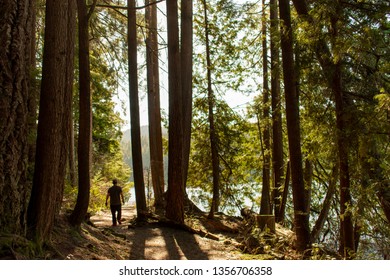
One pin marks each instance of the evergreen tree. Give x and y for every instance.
(54, 118)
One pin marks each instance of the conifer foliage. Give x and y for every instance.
(279, 106)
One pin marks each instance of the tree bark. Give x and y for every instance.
(155, 134)
(347, 244)
(277, 135)
(332, 71)
(265, 204)
(84, 151)
(308, 179)
(134, 113)
(54, 117)
(301, 221)
(186, 62)
(16, 37)
(175, 195)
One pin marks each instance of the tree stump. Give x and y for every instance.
(265, 222)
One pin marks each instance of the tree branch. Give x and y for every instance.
(91, 9)
(125, 7)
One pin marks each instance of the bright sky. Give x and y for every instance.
(235, 100)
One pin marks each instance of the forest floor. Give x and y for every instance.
(148, 241)
(222, 238)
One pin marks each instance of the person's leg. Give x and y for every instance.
(112, 207)
(119, 214)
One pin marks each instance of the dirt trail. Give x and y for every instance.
(154, 242)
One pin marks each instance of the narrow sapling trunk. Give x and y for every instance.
(277, 135)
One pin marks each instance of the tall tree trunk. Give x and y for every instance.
(347, 243)
(277, 136)
(175, 195)
(301, 221)
(84, 151)
(54, 117)
(265, 205)
(155, 134)
(134, 112)
(186, 62)
(16, 37)
(213, 135)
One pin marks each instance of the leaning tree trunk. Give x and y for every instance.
(16, 38)
(319, 224)
(301, 221)
(134, 113)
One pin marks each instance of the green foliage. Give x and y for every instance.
(361, 46)
(237, 171)
(109, 167)
(108, 55)
(233, 53)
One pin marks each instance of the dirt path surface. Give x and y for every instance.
(156, 242)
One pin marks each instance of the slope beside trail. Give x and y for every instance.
(151, 241)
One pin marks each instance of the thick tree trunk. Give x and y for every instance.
(175, 195)
(277, 136)
(84, 151)
(16, 38)
(54, 117)
(155, 134)
(265, 204)
(134, 113)
(301, 221)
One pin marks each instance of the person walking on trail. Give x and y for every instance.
(116, 197)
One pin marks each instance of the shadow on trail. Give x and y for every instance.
(152, 242)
